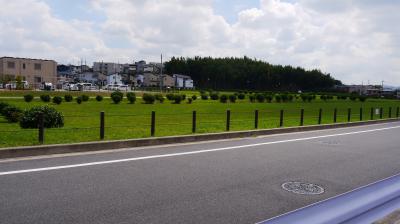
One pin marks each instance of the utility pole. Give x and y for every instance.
(161, 75)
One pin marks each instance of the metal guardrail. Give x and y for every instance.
(362, 205)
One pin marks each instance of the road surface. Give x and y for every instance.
(230, 181)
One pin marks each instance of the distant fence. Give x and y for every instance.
(190, 122)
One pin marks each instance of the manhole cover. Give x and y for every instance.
(303, 188)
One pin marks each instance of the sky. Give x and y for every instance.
(356, 41)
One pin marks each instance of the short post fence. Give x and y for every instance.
(320, 116)
(381, 113)
(102, 125)
(335, 115)
(256, 119)
(390, 112)
(349, 115)
(41, 128)
(397, 112)
(194, 122)
(281, 119)
(361, 114)
(228, 120)
(153, 123)
(302, 117)
(372, 113)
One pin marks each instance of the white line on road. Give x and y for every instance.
(187, 153)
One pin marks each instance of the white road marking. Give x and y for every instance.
(187, 153)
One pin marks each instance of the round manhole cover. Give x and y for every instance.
(303, 188)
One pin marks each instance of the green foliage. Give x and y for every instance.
(204, 97)
(28, 98)
(99, 98)
(85, 98)
(149, 98)
(183, 97)
(117, 96)
(260, 98)
(160, 98)
(52, 118)
(2, 106)
(170, 96)
(79, 99)
(131, 97)
(68, 98)
(238, 73)
(178, 99)
(269, 98)
(12, 113)
(223, 98)
(194, 97)
(232, 98)
(278, 98)
(57, 100)
(354, 97)
(214, 96)
(45, 98)
(362, 98)
(241, 96)
(252, 98)
(189, 100)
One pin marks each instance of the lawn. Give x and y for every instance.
(127, 121)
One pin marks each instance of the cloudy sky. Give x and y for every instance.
(354, 40)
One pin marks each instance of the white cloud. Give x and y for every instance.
(354, 40)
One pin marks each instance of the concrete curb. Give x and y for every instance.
(16, 152)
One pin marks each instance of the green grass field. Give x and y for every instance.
(127, 121)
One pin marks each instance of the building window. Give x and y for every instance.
(10, 64)
(38, 66)
(23, 66)
(38, 79)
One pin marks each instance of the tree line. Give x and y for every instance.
(251, 74)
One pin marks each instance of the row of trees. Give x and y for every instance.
(246, 73)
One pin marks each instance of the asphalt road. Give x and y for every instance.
(233, 181)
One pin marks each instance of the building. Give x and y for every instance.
(183, 81)
(168, 81)
(114, 79)
(34, 71)
(151, 80)
(107, 68)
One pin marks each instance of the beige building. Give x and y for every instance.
(151, 80)
(168, 81)
(34, 71)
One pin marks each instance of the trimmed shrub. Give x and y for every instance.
(160, 98)
(241, 96)
(148, 98)
(68, 98)
(323, 97)
(260, 98)
(85, 98)
(269, 98)
(2, 106)
(28, 98)
(189, 100)
(223, 98)
(178, 99)
(52, 118)
(45, 98)
(131, 97)
(99, 98)
(79, 99)
(214, 96)
(57, 100)
(12, 113)
(278, 98)
(252, 98)
(183, 97)
(232, 98)
(204, 97)
(353, 97)
(362, 98)
(170, 96)
(194, 97)
(117, 97)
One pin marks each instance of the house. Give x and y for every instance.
(183, 81)
(107, 68)
(34, 71)
(168, 81)
(114, 79)
(151, 80)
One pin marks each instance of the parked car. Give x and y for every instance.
(114, 87)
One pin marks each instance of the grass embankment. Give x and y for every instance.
(127, 121)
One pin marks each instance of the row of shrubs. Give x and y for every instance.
(30, 118)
